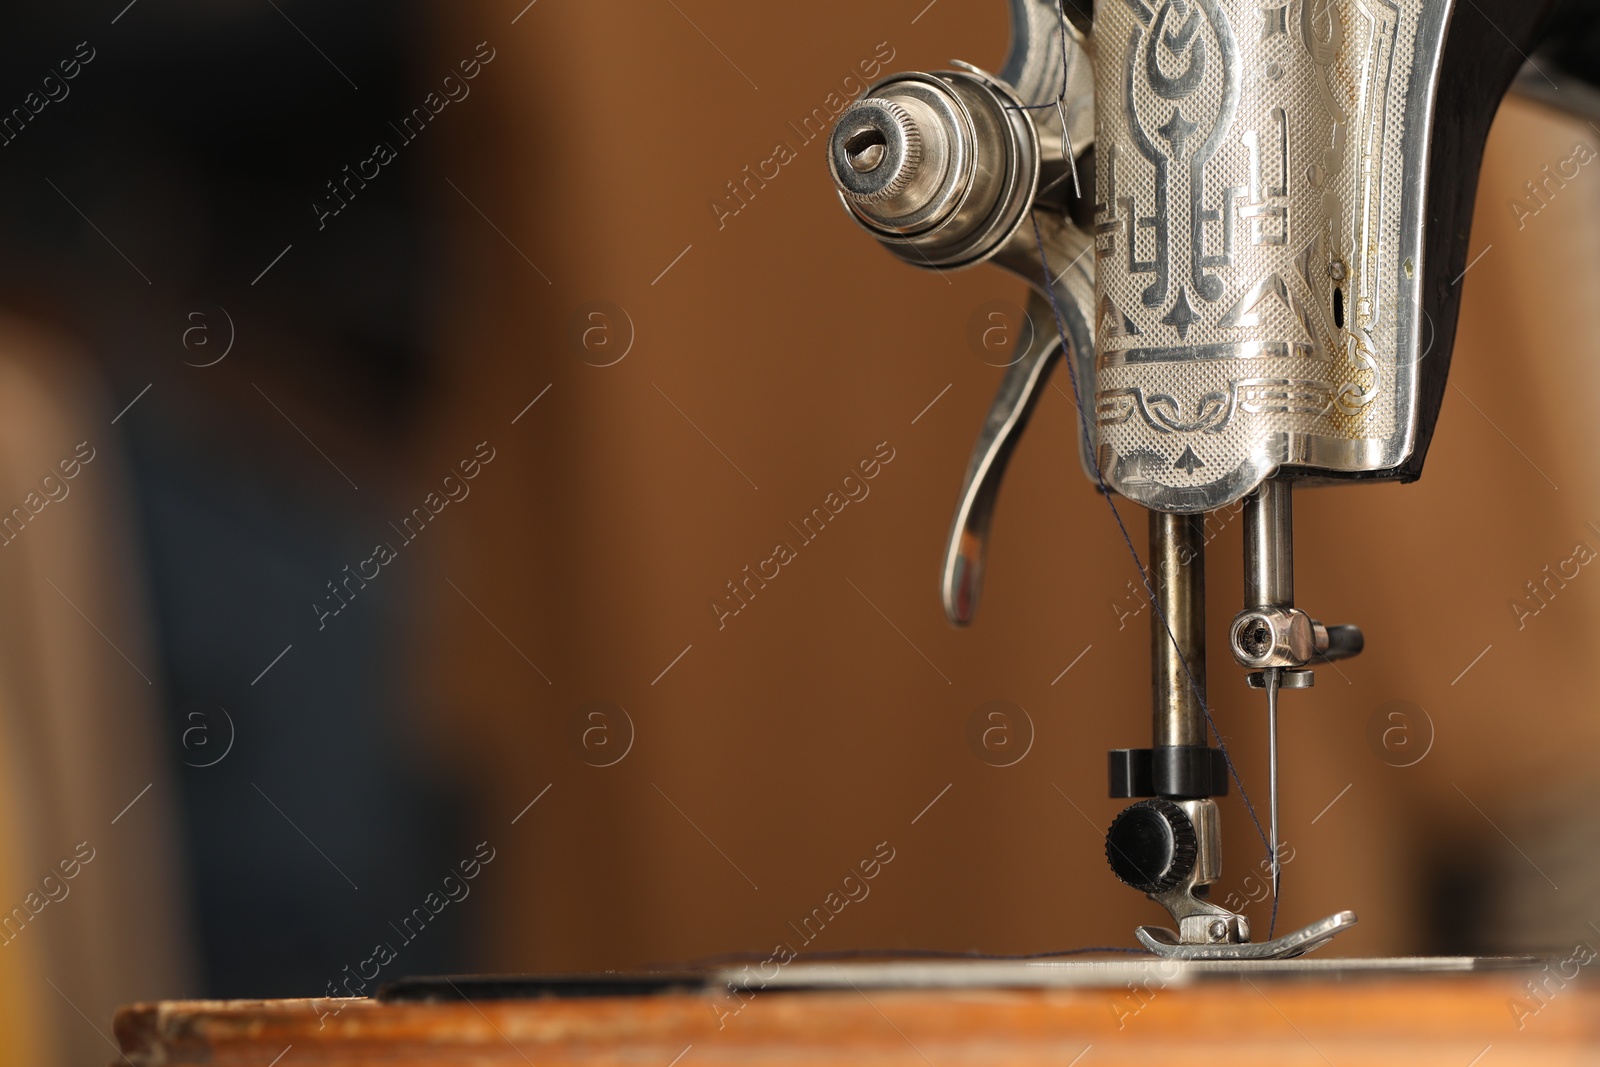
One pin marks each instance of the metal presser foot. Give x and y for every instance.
(1163, 943)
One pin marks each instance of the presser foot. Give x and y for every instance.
(1165, 943)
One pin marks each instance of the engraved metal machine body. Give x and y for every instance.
(1257, 226)
(1243, 222)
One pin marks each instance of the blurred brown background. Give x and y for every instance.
(549, 639)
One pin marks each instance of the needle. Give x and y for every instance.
(1273, 676)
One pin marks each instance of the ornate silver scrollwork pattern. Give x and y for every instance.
(1255, 265)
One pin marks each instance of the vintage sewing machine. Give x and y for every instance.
(1244, 224)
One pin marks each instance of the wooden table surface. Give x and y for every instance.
(1476, 1020)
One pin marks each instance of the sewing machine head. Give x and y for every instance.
(1245, 225)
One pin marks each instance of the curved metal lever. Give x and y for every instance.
(1039, 73)
(1069, 252)
(962, 577)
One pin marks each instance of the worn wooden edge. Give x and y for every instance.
(1412, 1021)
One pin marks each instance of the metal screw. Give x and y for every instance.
(866, 150)
(1218, 930)
(1256, 639)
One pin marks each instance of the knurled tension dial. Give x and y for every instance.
(1152, 846)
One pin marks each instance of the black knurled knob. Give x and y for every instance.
(1152, 846)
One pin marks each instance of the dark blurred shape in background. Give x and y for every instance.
(144, 203)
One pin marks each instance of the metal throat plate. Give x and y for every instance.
(1091, 973)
